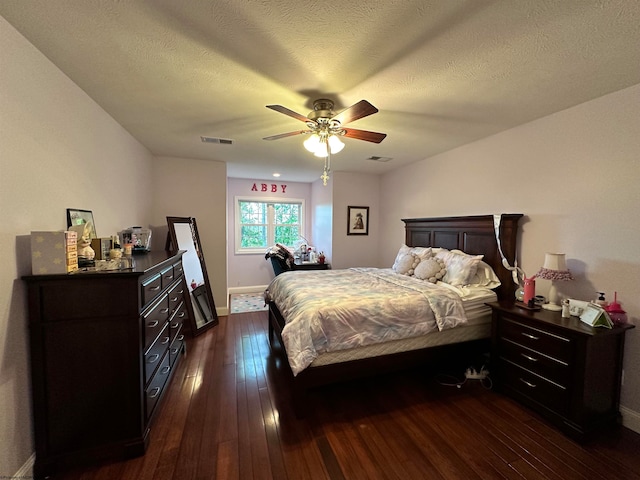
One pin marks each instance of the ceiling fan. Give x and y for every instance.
(325, 123)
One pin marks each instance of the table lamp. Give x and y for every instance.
(554, 269)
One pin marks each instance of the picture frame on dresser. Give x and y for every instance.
(76, 216)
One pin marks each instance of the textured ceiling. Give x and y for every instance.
(442, 73)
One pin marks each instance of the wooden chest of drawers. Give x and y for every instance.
(103, 348)
(564, 369)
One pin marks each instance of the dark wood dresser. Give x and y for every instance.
(104, 346)
(564, 369)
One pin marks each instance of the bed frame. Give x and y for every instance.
(474, 235)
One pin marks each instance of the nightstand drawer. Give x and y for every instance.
(539, 389)
(543, 365)
(550, 344)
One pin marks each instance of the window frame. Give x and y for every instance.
(270, 226)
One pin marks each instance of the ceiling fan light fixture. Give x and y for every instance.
(312, 143)
(322, 149)
(335, 144)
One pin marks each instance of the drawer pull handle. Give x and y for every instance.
(181, 315)
(152, 324)
(180, 338)
(532, 337)
(165, 341)
(154, 393)
(168, 277)
(174, 299)
(175, 350)
(153, 358)
(528, 384)
(164, 310)
(181, 292)
(531, 359)
(155, 289)
(175, 325)
(165, 370)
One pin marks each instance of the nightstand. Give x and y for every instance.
(311, 266)
(564, 369)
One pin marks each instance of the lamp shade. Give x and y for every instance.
(555, 267)
(335, 144)
(311, 143)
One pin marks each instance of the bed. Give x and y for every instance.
(441, 338)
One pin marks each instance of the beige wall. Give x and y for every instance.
(195, 188)
(357, 190)
(58, 149)
(575, 175)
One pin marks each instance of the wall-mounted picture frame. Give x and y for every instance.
(76, 216)
(358, 220)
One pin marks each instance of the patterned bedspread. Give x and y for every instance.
(339, 309)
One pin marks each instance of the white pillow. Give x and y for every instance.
(461, 267)
(485, 277)
(430, 269)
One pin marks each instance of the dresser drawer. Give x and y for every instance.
(550, 344)
(167, 277)
(534, 361)
(151, 287)
(176, 348)
(553, 396)
(178, 270)
(155, 320)
(154, 355)
(180, 315)
(154, 391)
(175, 297)
(175, 324)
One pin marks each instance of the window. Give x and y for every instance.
(262, 223)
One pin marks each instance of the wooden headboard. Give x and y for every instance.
(474, 235)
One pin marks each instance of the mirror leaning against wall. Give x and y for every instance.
(183, 235)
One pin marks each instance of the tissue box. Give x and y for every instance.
(53, 252)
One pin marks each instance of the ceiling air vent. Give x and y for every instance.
(221, 141)
(379, 159)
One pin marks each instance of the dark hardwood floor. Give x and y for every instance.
(227, 415)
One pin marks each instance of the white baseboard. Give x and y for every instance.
(250, 289)
(26, 470)
(630, 419)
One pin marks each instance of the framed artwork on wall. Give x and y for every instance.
(358, 220)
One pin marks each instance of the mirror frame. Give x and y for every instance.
(172, 245)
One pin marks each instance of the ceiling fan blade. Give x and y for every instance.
(284, 135)
(355, 112)
(374, 137)
(291, 113)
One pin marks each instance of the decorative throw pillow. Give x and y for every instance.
(461, 267)
(407, 264)
(407, 257)
(430, 269)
